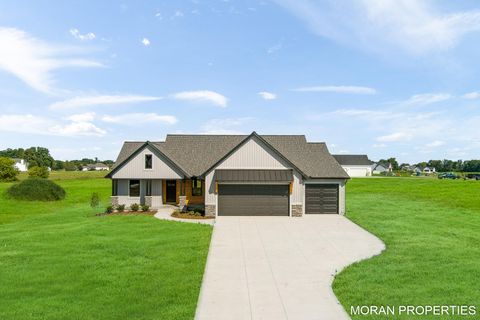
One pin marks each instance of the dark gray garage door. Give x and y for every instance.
(321, 198)
(252, 200)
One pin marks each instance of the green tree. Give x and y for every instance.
(58, 165)
(69, 166)
(38, 172)
(7, 170)
(38, 157)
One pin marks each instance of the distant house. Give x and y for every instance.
(378, 168)
(20, 164)
(356, 165)
(428, 170)
(96, 167)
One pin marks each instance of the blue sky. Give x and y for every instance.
(387, 78)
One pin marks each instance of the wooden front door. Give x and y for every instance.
(171, 191)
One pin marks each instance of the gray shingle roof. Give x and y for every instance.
(353, 159)
(197, 153)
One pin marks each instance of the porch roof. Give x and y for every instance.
(253, 175)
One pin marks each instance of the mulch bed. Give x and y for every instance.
(128, 213)
(189, 216)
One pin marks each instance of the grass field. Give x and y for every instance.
(431, 229)
(59, 261)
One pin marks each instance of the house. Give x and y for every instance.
(356, 165)
(236, 175)
(428, 170)
(20, 164)
(378, 168)
(96, 167)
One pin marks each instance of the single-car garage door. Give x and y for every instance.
(321, 198)
(253, 200)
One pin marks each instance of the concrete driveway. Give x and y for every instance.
(280, 267)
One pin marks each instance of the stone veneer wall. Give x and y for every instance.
(148, 201)
(114, 201)
(297, 210)
(210, 210)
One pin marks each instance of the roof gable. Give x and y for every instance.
(124, 157)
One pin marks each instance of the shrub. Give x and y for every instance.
(36, 189)
(8, 172)
(109, 209)
(121, 207)
(38, 172)
(94, 200)
(145, 207)
(134, 207)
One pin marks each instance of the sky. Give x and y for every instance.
(389, 78)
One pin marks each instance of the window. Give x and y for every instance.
(148, 161)
(134, 188)
(196, 187)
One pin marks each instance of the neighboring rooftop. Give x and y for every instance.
(353, 159)
(195, 154)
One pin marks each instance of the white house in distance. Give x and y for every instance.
(356, 165)
(96, 167)
(378, 168)
(20, 164)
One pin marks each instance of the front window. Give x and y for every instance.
(134, 188)
(148, 161)
(196, 187)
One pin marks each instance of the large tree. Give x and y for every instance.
(38, 157)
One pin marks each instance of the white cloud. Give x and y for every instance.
(275, 48)
(435, 143)
(177, 14)
(338, 89)
(96, 100)
(226, 126)
(471, 95)
(24, 123)
(78, 128)
(80, 125)
(77, 35)
(140, 118)
(33, 61)
(395, 137)
(202, 96)
(267, 95)
(82, 117)
(427, 98)
(415, 27)
(379, 145)
(145, 42)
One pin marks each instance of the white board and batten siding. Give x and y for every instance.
(135, 168)
(253, 155)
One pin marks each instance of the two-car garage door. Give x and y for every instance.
(253, 200)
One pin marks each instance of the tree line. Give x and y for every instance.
(40, 157)
(444, 165)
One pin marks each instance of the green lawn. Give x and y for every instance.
(431, 229)
(59, 261)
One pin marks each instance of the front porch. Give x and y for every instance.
(158, 192)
